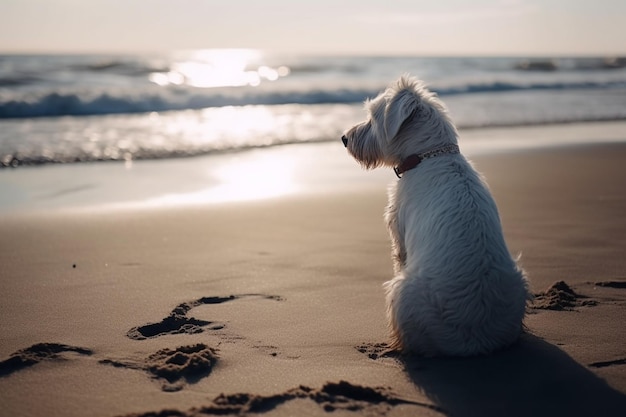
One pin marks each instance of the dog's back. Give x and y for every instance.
(459, 291)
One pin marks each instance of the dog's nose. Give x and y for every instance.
(344, 139)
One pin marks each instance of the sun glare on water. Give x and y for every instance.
(247, 176)
(211, 68)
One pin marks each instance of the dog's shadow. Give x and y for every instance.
(532, 378)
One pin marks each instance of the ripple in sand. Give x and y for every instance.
(604, 364)
(611, 284)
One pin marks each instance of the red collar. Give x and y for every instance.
(414, 160)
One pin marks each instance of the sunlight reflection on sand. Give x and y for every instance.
(244, 179)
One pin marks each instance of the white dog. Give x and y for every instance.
(457, 291)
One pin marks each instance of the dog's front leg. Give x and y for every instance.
(398, 251)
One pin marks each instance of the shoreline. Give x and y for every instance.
(250, 175)
(606, 134)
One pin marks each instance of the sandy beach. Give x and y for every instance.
(161, 298)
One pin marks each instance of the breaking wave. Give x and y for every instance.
(165, 99)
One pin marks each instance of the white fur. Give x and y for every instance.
(457, 291)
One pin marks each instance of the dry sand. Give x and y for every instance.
(275, 307)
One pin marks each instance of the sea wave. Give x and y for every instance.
(218, 130)
(53, 104)
(172, 106)
(122, 67)
(35, 157)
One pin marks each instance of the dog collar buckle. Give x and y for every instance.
(409, 163)
(414, 160)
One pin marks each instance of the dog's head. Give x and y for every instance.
(404, 119)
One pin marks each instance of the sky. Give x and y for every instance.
(363, 27)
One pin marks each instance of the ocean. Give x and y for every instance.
(87, 108)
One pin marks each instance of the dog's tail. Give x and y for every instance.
(518, 262)
(530, 297)
(391, 290)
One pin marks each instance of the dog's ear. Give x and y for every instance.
(400, 106)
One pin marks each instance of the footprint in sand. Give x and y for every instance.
(560, 297)
(36, 353)
(173, 368)
(178, 322)
(376, 351)
(341, 396)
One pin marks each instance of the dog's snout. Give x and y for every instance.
(344, 139)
